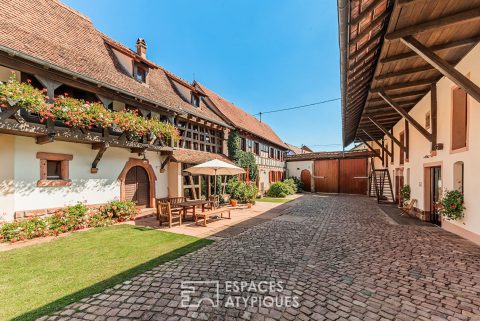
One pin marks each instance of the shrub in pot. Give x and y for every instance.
(452, 205)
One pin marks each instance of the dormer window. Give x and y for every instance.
(140, 74)
(195, 100)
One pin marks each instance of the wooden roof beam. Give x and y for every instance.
(386, 132)
(408, 84)
(377, 154)
(450, 45)
(402, 112)
(406, 95)
(404, 72)
(442, 66)
(437, 23)
(374, 140)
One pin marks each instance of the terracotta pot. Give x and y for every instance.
(233, 203)
(249, 205)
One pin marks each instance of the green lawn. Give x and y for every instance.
(39, 279)
(274, 200)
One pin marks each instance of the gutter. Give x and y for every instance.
(343, 16)
(12, 52)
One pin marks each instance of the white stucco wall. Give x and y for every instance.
(420, 146)
(86, 187)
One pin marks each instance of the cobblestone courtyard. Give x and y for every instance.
(338, 255)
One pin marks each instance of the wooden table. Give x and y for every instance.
(192, 204)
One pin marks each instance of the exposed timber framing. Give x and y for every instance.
(433, 116)
(44, 139)
(405, 72)
(9, 112)
(384, 150)
(138, 150)
(377, 154)
(444, 67)
(438, 23)
(402, 112)
(445, 46)
(407, 84)
(407, 140)
(102, 148)
(386, 132)
(164, 163)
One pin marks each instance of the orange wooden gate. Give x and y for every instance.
(341, 176)
(325, 176)
(137, 186)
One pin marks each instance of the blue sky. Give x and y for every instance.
(261, 55)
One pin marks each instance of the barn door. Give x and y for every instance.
(306, 179)
(325, 175)
(353, 176)
(137, 186)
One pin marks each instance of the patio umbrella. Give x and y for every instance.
(215, 167)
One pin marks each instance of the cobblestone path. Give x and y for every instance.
(337, 256)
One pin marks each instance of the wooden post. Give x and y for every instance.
(433, 116)
(407, 141)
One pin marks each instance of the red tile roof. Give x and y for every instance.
(54, 33)
(189, 156)
(242, 119)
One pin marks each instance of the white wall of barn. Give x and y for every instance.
(419, 150)
(18, 182)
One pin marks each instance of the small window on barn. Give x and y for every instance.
(459, 119)
(427, 120)
(458, 176)
(54, 169)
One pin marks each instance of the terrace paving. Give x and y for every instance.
(339, 256)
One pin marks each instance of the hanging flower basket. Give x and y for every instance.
(451, 205)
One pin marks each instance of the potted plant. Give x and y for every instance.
(249, 205)
(405, 192)
(233, 202)
(452, 205)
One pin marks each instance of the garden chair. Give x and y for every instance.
(214, 202)
(166, 214)
(408, 208)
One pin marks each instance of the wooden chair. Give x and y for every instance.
(408, 208)
(166, 214)
(214, 202)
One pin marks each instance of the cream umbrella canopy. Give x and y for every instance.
(215, 167)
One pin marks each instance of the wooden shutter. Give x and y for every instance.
(459, 119)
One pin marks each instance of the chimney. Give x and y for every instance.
(141, 48)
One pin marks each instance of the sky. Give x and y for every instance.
(260, 55)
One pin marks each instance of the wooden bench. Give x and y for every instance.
(205, 215)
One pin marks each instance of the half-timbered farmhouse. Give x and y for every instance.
(50, 164)
(410, 87)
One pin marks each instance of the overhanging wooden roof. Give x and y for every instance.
(376, 58)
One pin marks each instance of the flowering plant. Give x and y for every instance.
(80, 113)
(120, 211)
(452, 205)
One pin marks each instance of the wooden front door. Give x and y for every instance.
(137, 186)
(398, 184)
(353, 176)
(306, 179)
(325, 176)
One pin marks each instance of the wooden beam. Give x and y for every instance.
(402, 112)
(433, 115)
(101, 150)
(469, 15)
(445, 46)
(386, 132)
(403, 96)
(9, 112)
(44, 139)
(371, 148)
(382, 147)
(164, 163)
(407, 140)
(407, 84)
(138, 150)
(444, 67)
(404, 72)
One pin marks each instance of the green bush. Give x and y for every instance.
(298, 183)
(70, 218)
(452, 205)
(279, 189)
(292, 185)
(405, 192)
(243, 192)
